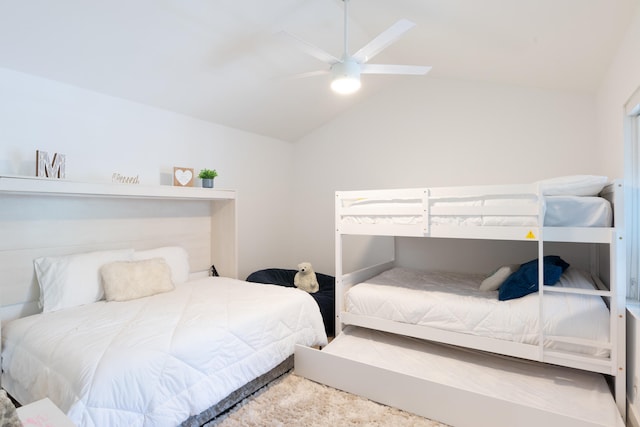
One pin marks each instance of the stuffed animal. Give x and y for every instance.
(305, 278)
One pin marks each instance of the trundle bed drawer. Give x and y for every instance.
(457, 386)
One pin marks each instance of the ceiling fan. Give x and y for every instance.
(346, 70)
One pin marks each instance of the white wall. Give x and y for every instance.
(622, 79)
(101, 135)
(434, 132)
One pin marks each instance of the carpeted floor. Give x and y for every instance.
(296, 401)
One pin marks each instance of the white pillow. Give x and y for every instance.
(176, 257)
(72, 280)
(126, 280)
(573, 185)
(497, 278)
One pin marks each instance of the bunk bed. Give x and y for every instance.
(575, 320)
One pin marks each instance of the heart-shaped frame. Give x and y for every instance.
(183, 177)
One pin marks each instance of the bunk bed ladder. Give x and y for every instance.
(617, 267)
(540, 238)
(540, 293)
(339, 295)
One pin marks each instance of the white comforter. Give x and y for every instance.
(453, 302)
(156, 361)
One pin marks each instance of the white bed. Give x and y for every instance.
(164, 356)
(453, 302)
(577, 323)
(156, 361)
(494, 213)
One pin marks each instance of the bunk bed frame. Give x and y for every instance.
(419, 207)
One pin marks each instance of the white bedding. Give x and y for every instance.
(560, 211)
(453, 302)
(156, 361)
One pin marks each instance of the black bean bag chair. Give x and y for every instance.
(325, 297)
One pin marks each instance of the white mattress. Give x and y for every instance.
(560, 211)
(570, 392)
(156, 361)
(453, 302)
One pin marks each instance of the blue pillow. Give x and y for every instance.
(525, 280)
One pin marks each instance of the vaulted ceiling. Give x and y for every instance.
(219, 60)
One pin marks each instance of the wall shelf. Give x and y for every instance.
(61, 187)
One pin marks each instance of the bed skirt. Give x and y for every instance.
(207, 417)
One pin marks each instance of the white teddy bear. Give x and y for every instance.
(305, 278)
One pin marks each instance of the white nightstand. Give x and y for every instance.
(43, 413)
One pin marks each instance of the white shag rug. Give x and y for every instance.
(295, 401)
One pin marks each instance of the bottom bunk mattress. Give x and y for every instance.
(159, 360)
(453, 302)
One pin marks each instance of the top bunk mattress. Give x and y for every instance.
(513, 212)
(558, 211)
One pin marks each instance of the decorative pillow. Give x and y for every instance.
(72, 280)
(573, 185)
(525, 280)
(497, 278)
(126, 280)
(176, 257)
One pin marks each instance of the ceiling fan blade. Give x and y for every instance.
(383, 40)
(309, 74)
(308, 48)
(394, 69)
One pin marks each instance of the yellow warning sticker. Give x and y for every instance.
(530, 235)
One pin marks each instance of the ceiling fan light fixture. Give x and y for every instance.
(345, 85)
(346, 77)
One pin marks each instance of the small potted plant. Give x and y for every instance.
(207, 175)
